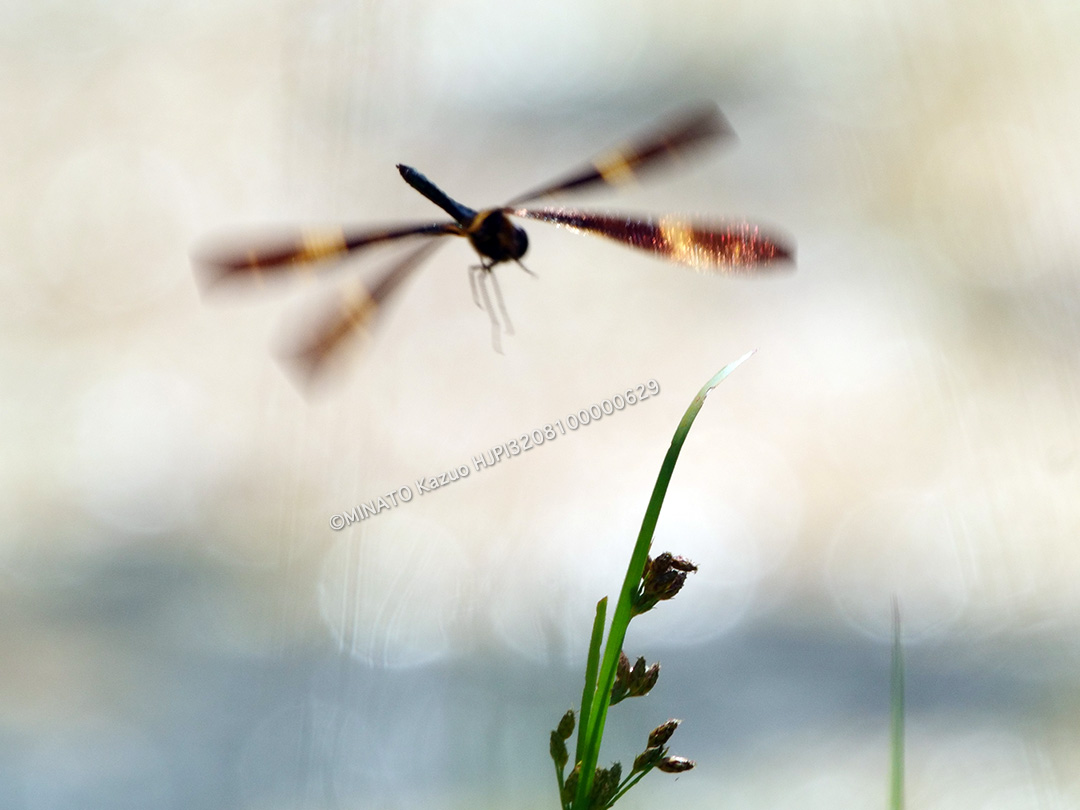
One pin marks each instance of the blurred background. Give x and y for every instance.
(181, 628)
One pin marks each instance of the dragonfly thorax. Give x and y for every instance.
(495, 237)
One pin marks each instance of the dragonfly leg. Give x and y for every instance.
(475, 270)
(496, 342)
(501, 304)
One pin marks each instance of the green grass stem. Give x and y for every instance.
(591, 727)
(591, 668)
(896, 701)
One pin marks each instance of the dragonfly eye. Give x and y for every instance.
(521, 242)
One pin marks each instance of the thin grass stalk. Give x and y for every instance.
(896, 700)
(592, 726)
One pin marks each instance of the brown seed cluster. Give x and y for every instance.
(662, 578)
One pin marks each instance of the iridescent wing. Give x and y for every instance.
(301, 251)
(732, 246)
(673, 139)
(350, 313)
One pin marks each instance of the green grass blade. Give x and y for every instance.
(591, 667)
(621, 618)
(896, 700)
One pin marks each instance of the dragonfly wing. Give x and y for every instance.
(352, 310)
(671, 140)
(256, 258)
(732, 246)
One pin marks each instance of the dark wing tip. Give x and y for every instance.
(215, 262)
(703, 120)
(317, 350)
(772, 251)
(759, 251)
(784, 256)
(305, 368)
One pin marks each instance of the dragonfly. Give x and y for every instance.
(708, 246)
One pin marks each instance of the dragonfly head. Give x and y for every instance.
(495, 237)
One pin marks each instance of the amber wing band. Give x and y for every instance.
(726, 246)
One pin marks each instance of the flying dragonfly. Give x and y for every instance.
(716, 246)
